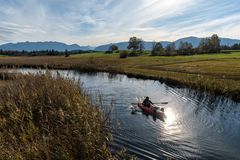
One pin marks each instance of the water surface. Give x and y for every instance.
(198, 126)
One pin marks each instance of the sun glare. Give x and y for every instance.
(171, 116)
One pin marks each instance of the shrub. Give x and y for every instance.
(133, 54)
(46, 117)
(123, 54)
(108, 52)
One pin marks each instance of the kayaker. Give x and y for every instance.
(147, 102)
(162, 113)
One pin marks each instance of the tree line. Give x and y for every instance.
(233, 47)
(206, 45)
(66, 53)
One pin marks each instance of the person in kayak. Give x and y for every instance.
(147, 102)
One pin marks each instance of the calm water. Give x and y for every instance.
(197, 126)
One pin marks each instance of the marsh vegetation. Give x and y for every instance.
(49, 117)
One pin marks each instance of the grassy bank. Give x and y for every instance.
(45, 117)
(215, 73)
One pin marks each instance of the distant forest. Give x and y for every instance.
(66, 53)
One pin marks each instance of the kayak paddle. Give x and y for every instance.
(153, 103)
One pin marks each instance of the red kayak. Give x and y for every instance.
(149, 110)
(153, 111)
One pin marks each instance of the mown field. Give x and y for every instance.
(216, 73)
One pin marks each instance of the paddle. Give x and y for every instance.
(161, 103)
(153, 103)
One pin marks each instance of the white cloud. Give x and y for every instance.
(102, 21)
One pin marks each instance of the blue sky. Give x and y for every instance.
(94, 22)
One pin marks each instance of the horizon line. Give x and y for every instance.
(106, 43)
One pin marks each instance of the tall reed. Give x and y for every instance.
(46, 117)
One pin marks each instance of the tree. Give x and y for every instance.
(185, 48)
(113, 48)
(214, 44)
(225, 47)
(235, 46)
(210, 45)
(134, 43)
(141, 46)
(157, 49)
(170, 49)
(67, 54)
(204, 45)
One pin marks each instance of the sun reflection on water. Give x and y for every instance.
(170, 116)
(172, 126)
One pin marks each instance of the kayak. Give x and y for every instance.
(149, 110)
(152, 111)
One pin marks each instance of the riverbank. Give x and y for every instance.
(216, 73)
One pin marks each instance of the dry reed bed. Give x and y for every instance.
(46, 117)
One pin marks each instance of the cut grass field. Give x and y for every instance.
(216, 73)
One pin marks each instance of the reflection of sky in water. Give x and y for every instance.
(197, 125)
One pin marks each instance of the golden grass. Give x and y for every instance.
(45, 117)
(3, 83)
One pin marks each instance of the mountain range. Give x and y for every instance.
(37, 46)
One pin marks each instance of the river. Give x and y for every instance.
(198, 126)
